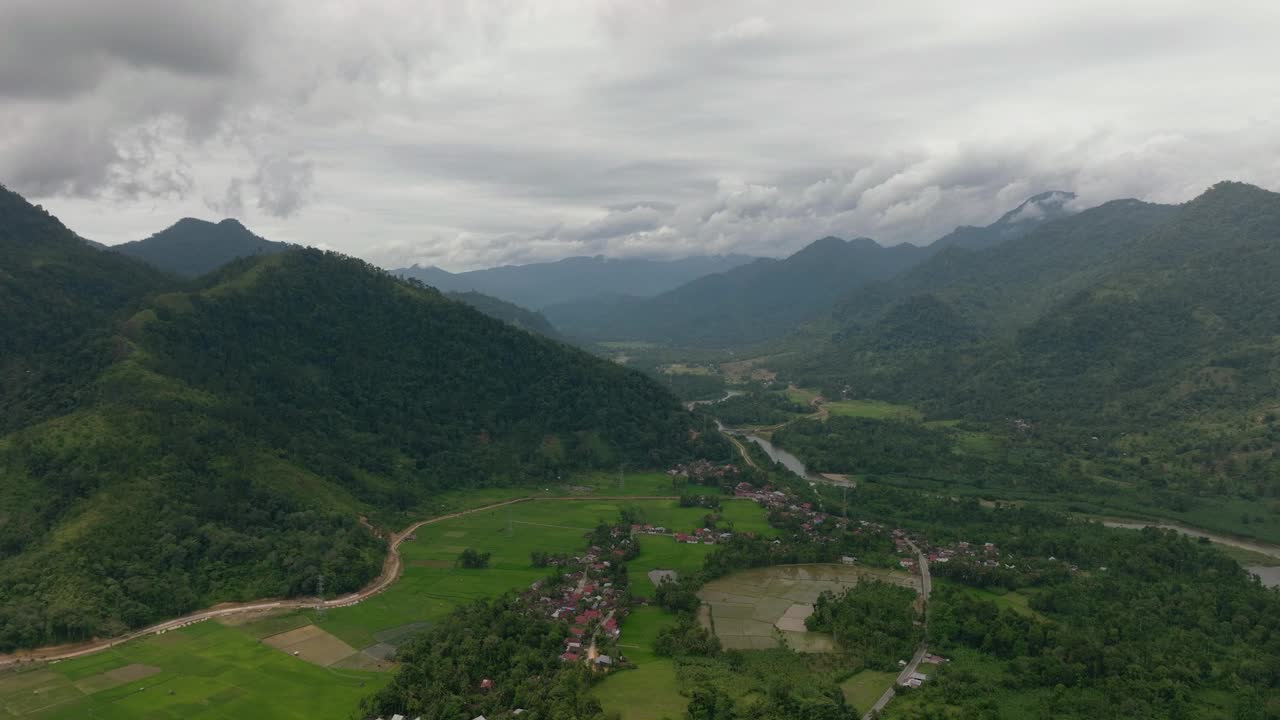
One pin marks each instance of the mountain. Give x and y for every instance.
(192, 247)
(534, 322)
(58, 298)
(753, 302)
(542, 284)
(1150, 328)
(1014, 224)
(1012, 283)
(221, 440)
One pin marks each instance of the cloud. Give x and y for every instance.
(469, 133)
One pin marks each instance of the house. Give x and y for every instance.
(569, 657)
(847, 560)
(604, 661)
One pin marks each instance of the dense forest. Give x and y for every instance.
(757, 408)
(876, 620)
(169, 444)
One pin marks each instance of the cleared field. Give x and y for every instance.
(206, 671)
(312, 644)
(865, 687)
(646, 693)
(650, 691)
(755, 609)
(873, 409)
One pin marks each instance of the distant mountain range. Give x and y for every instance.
(768, 298)
(539, 285)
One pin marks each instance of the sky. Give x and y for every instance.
(471, 134)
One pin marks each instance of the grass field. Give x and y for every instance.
(865, 687)
(650, 691)
(205, 671)
(874, 409)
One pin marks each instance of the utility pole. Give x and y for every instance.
(320, 594)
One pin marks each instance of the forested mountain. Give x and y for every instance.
(1019, 221)
(575, 279)
(757, 301)
(194, 247)
(522, 318)
(58, 296)
(1151, 329)
(170, 445)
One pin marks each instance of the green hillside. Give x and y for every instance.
(530, 320)
(220, 441)
(1141, 339)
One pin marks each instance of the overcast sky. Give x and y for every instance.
(469, 134)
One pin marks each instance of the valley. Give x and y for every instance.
(312, 488)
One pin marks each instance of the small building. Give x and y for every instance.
(604, 661)
(847, 560)
(486, 685)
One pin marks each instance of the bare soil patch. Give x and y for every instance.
(312, 644)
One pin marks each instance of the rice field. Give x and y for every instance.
(762, 608)
(205, 671)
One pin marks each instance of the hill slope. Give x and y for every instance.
(226, 438)
(539, 285)
(522, 318)
(194, 247)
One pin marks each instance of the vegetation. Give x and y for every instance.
(757, 408)
(1131, 345)
(472, 559)
(441, 671)
(170, 446)
(876, 620)
(530, 320)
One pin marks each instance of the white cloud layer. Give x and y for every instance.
(475, 133)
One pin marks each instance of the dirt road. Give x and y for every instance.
(391, 571)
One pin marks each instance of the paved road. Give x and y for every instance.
(926, 586)
(391, 570)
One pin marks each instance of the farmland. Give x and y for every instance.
(205, 670)
(306, 663)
